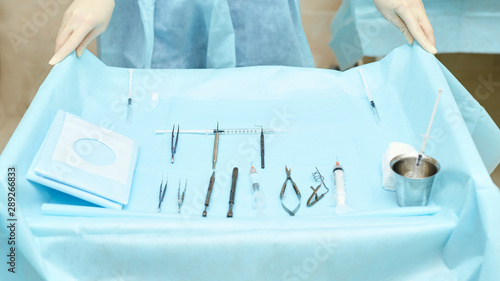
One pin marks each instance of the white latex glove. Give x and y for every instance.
(83, 21)
(410, 17)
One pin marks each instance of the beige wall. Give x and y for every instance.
(27, 34)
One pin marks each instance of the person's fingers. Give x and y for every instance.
(61, 28)
(71, 43)
(64, 21)
(62, 37)
(416, 31)
(86, 41)
(64, 32)
(427, 28)
(399, 23)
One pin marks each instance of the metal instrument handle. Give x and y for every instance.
(233, 185)
(216, 148)
(210, 187)
(262, 164)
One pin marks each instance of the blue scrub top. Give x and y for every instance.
(205, 34)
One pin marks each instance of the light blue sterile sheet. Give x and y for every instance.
(460, 26)
(205, 34)
(327, 115)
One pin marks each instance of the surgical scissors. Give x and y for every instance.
(295, 188)
(173, 148)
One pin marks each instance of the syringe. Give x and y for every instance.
(372, 103)
(426, 137)
(243, 131)
(259, 200)
(340, 195)
(129, 101)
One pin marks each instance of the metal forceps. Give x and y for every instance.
(173, 147)
(295, 188)
(180, 198)
(318, 177)
(161, 195)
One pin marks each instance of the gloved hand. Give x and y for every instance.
(410, 17)
(83, 21)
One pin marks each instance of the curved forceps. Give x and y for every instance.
(295, 188)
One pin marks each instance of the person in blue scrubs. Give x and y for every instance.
(84, 20)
